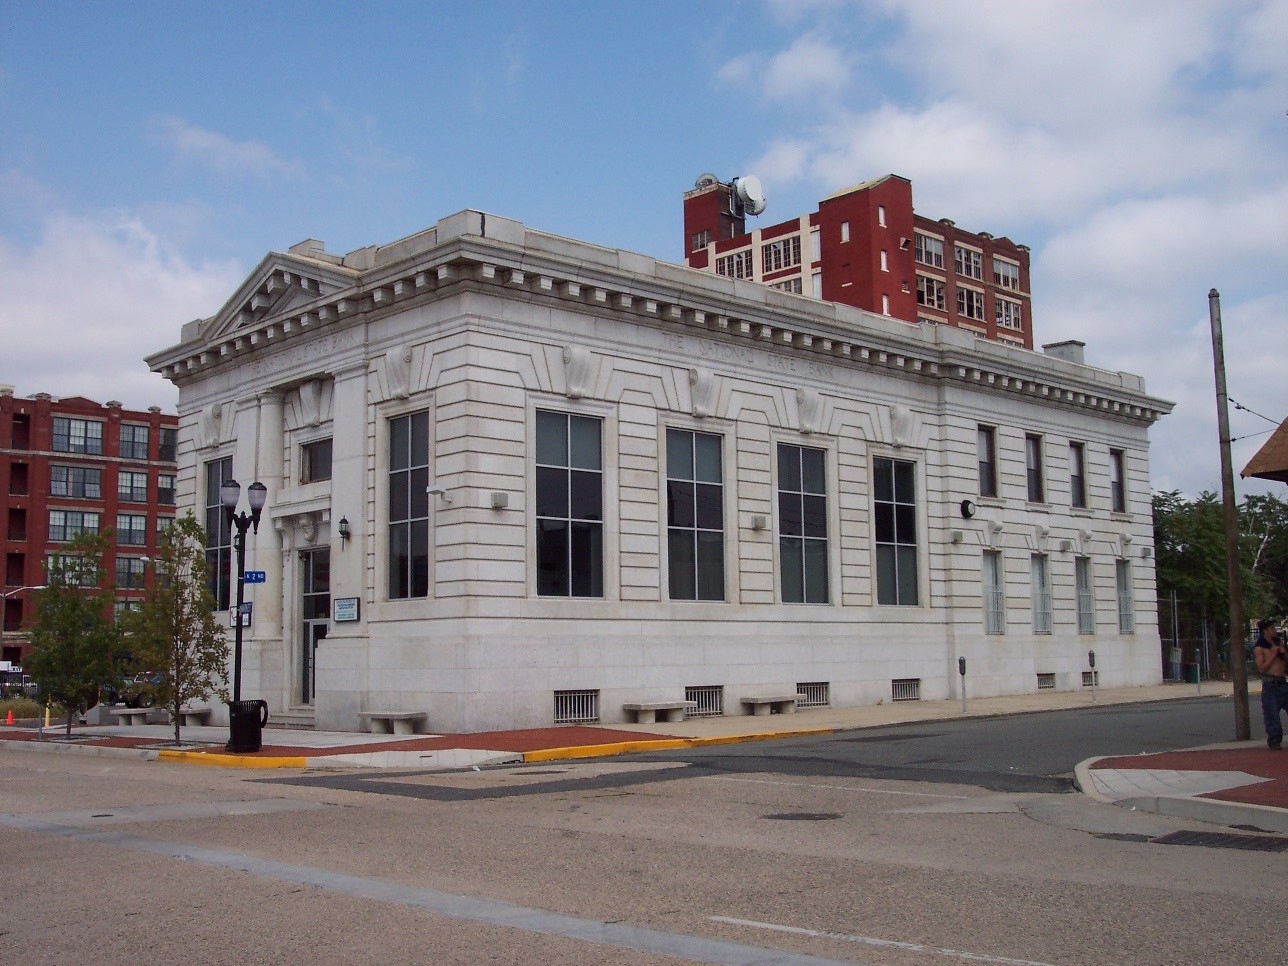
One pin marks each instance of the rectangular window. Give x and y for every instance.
(930, 292)
(131, 529)
(134, 442)
(79, 482)
(165, 489)
(129, 573)
(120, 607)
(570, 506)
(894, 484)
(986, 451)
(1033, 468)
(737, 265)
(802, 524)
(1009, 314)
(968, 262)
(994, 595)
(792, 285)
(815, 245)
(315, 461)
(701, 240)
(1041, 594)
(780, 254)
(168, 445)
(970, 304)
(409, 506)
(881, 215)
(77, 436)
(80, 571)
(885, 261)
(1006, 274)
(1126, 608)
(132, 487)
(817, 283)
(695, 515)
(929, 251)
(219, 540)
(65, 524)
(845, 232)
(1086, 602)
(1077, 475)
(1118, 481)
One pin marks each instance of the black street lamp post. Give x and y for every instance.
(256, 495)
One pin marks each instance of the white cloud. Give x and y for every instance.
(82, 306)
(221, 152)
(809, 68)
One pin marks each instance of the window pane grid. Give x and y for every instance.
(994, 596)
(409, 506)
(569, 510)
(695, 515)
(894, 503)
(219, 541)
(1086, 603)
(1041, 595)
(1126, 607)
(802, 524)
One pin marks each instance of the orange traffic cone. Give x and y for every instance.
(8, 718)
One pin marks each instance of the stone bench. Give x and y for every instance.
(394, 722)
(194, 716)
(646, 712)
(763, 704)
(129, 717)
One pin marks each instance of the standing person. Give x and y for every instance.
(1272, 662)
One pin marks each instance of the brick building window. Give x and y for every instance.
(1006, 274)
(78, 436)
(930, 292)
(79, 482)
(968, 262)
(970, 304)
(929, 251)
(134, 442)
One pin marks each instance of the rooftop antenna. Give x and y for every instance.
(747, 195)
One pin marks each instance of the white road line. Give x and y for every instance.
(844, 788)
(873, 941)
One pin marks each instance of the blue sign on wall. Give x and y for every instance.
(256, 576)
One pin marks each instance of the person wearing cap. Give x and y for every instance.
(1272, 662)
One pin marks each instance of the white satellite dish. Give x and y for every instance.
(706, 180)
(750, 193)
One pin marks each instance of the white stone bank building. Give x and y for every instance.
(516, 479)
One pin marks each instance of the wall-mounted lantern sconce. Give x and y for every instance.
(344, 528)
(500, 500)
(759, 522)
(435, 490)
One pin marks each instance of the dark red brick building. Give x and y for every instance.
(73, 464)
(867, 247)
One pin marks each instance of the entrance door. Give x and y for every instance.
(315, 606)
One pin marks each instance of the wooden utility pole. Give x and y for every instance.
(1238, 669)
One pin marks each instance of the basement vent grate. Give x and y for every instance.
(1046, 682)
(1224, 840)
(905, 689)
(1089, 678)
(710, 700)
(573, 707)
(813, 694)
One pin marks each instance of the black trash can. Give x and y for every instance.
(246, 720)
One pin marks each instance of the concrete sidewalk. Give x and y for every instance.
(1246, 784)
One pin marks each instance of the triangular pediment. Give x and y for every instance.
(280, 284)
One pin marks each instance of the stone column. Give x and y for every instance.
(267, 655)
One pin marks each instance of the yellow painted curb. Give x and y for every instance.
(660, 744)
(232, 761)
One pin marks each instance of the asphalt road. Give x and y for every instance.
(835, 850)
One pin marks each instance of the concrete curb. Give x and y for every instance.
(232, 761)
(1082, 780)
(661, 744)
(100, 751)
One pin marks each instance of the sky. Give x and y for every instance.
(152, 153)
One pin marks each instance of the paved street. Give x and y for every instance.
(773, 852)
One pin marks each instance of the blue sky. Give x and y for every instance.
(152, 153)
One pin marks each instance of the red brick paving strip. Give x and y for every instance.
(1261, 762)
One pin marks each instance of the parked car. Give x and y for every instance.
(139, 691)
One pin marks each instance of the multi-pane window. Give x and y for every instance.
(80, 482)
(986, 450)
(1006, 274)
(802, 524)
(129, 573)
(165, 489)
(737, 265)
(1041, 585)
(1086, 602)
(315, 461)
(1126, 609)
(816, 244)
(409, 506)
(570, 506)
(780, 254)
(968, 262)
(168, 444)
(694, 515)
(930, 292)
(894, 485)
(792, 285)
(1077, 475)
(132, 487)
(78, 571)
(122, 606)
(219, 540)
(134, 442)
(994, 596)
(65, 524)
(1117, 481)
(929, 251)
(816, 285)
(131, 529)
(1033, 468)
(701, 240)
(1009, 314)
(77, 436)
(970, 303)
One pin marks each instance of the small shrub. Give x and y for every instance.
(21, 708)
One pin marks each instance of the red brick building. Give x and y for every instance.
(867, 247)
(68, 465)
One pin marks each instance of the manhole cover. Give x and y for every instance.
(803, 816)
(1224, 840)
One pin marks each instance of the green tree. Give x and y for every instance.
(174, 633)
(74, 637)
